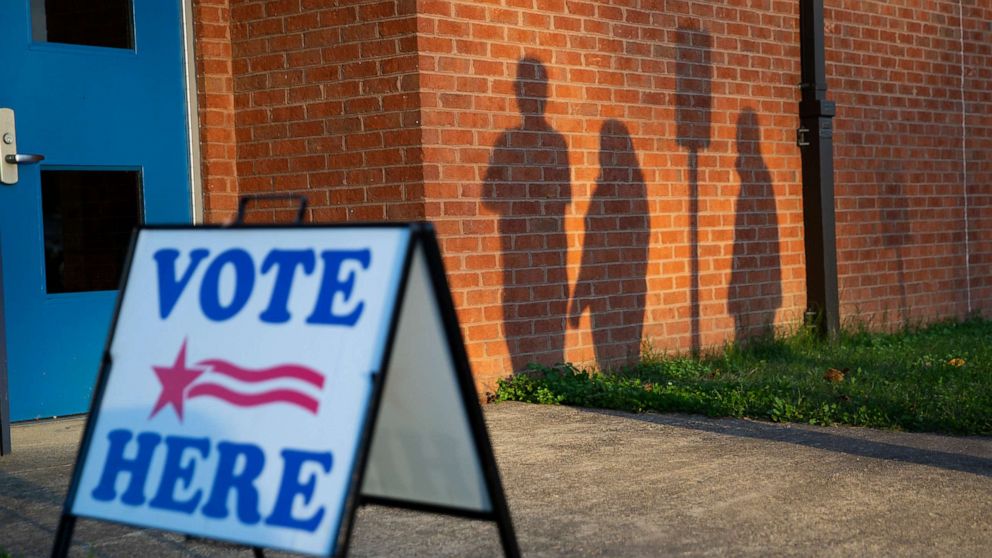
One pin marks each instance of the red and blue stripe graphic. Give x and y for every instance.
(290, 384)
(244, 399)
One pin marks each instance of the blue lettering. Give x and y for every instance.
(175, 471)
(291, 487)
(286, 261)
(242, 484)
(169, 288)
(334, 304)
(244, 270)
(331, 285)
(238, 468)
(116, 464)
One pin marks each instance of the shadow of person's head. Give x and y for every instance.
(615, 144)
(617, 158)
(748, 134)
(531, 87)
(893, 208)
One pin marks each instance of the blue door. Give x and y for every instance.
(98, 89)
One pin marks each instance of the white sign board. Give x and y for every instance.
(241, 374)
(245, 369)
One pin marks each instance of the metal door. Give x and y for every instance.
(98, 89)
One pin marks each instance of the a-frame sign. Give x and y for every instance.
(260, 383)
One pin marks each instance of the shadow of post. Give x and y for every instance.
(755, 290)
(528, 185)
(612, 281)
(694, 103)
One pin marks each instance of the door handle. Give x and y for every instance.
(23, 158)
(9, 157)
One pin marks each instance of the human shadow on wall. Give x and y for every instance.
(693, 118)
(893, 208)
(528, 184)
(755, 291)
(612, 282)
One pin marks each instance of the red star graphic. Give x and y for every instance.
(175, 380)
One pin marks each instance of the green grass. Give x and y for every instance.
(932, 379)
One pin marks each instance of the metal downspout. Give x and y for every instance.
(815, 139)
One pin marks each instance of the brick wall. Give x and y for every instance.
(607, 172)
(326, 101)
(904, 243)
(564, 143)
(215, 101)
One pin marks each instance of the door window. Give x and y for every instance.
(88, 216)
(102, 23)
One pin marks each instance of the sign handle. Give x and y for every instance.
(243, 202)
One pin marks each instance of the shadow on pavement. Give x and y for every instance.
(815, 437)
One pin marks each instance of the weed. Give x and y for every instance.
(936, 378)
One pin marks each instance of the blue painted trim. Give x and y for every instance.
(4, 393)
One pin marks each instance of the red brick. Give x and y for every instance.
(400, 114)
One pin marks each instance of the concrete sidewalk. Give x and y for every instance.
(591, 483)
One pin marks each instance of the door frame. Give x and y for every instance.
(196, 197)
(4, 392)
(192, 114)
